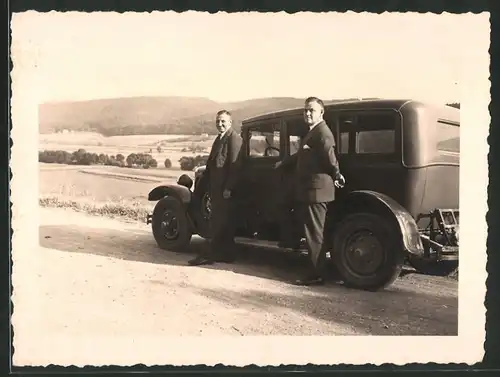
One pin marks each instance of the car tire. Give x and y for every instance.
(433, 268)
(170, 224)
(369, 235)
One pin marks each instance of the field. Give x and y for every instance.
(171, 145)
(111, 190)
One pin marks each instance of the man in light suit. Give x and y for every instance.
(317, 174)
(223, 174)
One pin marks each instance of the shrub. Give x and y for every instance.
(189, 163)
(168, 163)
(151, 163)
(55, 157)
(141, 160)
(200, 160)
(82, 157)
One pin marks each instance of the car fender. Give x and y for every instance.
(362, 199)
(182, 193)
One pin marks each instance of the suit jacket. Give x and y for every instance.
(224, 162)
(316, 166)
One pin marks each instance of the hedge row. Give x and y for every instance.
(144, 160)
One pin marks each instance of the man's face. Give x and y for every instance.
(223, 122)
(313, 113)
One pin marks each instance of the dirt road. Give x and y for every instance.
(105, 277)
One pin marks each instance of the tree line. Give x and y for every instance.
(133, 160)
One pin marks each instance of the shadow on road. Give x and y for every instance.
(141, 247)
(404, 307)
(389, 313)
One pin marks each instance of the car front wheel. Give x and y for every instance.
(367, 252)
(171, 228)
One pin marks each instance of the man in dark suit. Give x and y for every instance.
(223, 172)
(317, 174)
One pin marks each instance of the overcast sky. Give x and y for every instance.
(227, 57)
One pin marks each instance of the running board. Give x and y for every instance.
(266, 244)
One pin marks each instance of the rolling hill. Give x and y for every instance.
(150, 115)
(122, 116)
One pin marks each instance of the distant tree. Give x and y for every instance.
(200, 160)
(89, 159)
(158, 148)
(78, 155)
(141, 160)
(131, 159)
(168, 163)
(120, 157)
(187, 163)
(152, 163)
(62, 157)
(102, 159)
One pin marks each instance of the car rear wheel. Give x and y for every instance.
(171, 228)
(367, 252)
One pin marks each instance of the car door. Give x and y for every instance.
(370, 161)
(261, 183)
(341, 123)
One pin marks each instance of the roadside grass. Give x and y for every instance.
(101, 195)
(126, 209)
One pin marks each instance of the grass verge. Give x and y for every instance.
(128, 210)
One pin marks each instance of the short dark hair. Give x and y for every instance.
(220, 112)
(315, 99)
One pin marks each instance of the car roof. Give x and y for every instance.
(444, 112)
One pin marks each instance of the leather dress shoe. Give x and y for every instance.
(310, 280)
(201, 260)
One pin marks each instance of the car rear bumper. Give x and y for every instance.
(448, 253)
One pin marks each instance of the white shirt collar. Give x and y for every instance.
(221, 135)
(315, 124)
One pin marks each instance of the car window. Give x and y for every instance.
(448, 137)
(294, 144)
(296, 131)
(344, 143)
(264, 143)
(377, 141)
(376, 133)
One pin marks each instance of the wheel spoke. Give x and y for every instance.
(170, 225)
(364, 253)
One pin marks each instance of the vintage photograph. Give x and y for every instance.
(286, 183)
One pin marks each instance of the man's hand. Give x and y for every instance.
(340, 181)
(226, 194)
